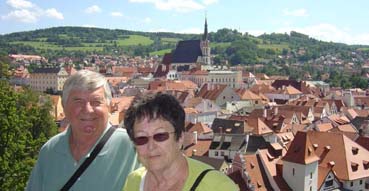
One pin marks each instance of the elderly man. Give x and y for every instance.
(86, 102)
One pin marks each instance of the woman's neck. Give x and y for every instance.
(168, 179)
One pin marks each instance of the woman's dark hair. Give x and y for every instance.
(155, 106)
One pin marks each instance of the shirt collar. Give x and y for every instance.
(63, 147)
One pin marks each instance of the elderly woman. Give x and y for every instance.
(155, 124)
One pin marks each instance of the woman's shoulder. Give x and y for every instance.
(134, 179)
(213, 180)
(138, 173)
(197, 166)
(216, 180)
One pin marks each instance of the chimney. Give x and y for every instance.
(327, 148)
(315, 146)
(194, 137)
(194, 152)
(275, 110)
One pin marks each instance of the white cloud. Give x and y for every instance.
(296, 12)
(329, 32)
(19, 4)
(22, 15)
(116, 14)
(27, 12)
(53, 13)
(147, 20)
(209, 2)
(176, 5)
(93, 9)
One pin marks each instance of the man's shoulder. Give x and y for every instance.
(120, 137)
(55, 143)
(120, 130)
(120, 133)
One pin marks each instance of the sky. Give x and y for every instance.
(328, 20)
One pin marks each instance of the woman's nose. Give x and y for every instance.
(151, 144)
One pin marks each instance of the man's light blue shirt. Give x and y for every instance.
(108, 171)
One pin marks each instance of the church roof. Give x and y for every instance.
(187, 51)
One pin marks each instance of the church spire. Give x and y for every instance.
(205, 35)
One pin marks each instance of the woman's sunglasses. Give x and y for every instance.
(158, 137)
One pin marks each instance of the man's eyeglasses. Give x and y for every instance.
(158, 137)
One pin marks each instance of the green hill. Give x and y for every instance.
(226, 44)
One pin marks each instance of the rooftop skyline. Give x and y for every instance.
(336, 21)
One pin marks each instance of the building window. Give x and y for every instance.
(328, 183)
(311, 175)
(361, 182)
(216, 153)
(293, 171)
(352, 184)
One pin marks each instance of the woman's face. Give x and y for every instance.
(156, 155)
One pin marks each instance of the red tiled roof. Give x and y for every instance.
(247, 94)
(199, 149)
(258, 126)
(324, 127)
(211, 91)
(339, 148)
(256, 172)
(199, 128)
(236, 176)
(301, 150)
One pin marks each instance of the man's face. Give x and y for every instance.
(87, 111)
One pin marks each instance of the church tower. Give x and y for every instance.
(205, 45)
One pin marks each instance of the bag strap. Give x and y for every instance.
(88, 160)
(199, 178)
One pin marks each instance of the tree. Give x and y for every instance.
(242, 52)
(25, 124)
(4, 67)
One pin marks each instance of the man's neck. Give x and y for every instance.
(81, 144)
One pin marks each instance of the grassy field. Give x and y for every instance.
(38, 45)
(134, 40)
(363, 49)
(41, 44)
(276, 47)
(160, 52)
(50, 46)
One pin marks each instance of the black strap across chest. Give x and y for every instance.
(88, 160)
(199, 178)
